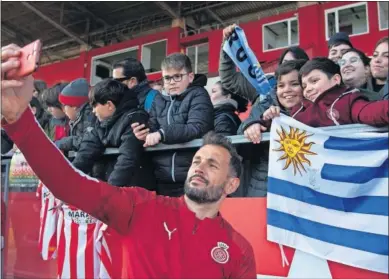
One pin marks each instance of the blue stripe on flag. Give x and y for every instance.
(352, 174)
(364, 241)
(364, 204)
(366, 144)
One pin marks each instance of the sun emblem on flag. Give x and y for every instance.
(295, 148)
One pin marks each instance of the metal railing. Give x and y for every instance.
(240, 139)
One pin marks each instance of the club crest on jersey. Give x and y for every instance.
(80, 217)
(220, 253)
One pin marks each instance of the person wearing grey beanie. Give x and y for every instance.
(74, 98)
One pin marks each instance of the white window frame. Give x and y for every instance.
(196, 54)
(150, 43)
(379, 18)
(337, 9)
(97, 57)
(289, 20)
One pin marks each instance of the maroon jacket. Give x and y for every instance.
(339, 106)
(165, 239)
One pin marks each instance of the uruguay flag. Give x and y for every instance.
(328, 193)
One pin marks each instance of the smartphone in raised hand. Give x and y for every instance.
(29, 60)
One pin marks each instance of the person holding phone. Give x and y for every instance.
(116, 108)
(166, 237)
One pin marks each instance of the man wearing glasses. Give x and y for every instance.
(185, 114)
(355, 70)
(131, 73)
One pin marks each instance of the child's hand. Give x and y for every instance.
(140, 131)
(271, 113)
(152, 139)
(228, 31)
(254, 133)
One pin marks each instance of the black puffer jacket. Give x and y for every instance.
(84, 122)
(226, 120)
(179, 119)
(115, 132)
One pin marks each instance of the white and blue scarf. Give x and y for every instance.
(239, 51)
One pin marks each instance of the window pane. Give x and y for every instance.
(118, 57)
(294, 32)
(152, 56)
(275, 35)
(331, 26)
(191, 52)
(353, 20)
(202, 59)
(383, 10)
(102, 72)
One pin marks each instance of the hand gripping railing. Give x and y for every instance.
(240, 139)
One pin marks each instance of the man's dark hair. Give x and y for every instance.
(365, 60)
(211, 138)
(338, 43)
(289, 66)
(340, 38)
(35, 103)
(39, 86)
(298, 53)
(242, 102)
(42, 117)
(177, 61)
(327, 66)
(131, 68)
(107, 90)
(382, 40)
(50, 95)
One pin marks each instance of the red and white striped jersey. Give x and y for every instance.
(48, 223)
(79, 245)
(106, 268)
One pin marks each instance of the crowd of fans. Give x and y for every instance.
(130, 113)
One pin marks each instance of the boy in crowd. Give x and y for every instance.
(59, 123)
(328, 102)
(116, 108)
(338, 44)
(74, 98)
(184, 115)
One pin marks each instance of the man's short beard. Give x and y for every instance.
(205, 195)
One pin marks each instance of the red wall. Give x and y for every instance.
(66, 70)
(311, 21)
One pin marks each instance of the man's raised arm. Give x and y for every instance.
(112, 205)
